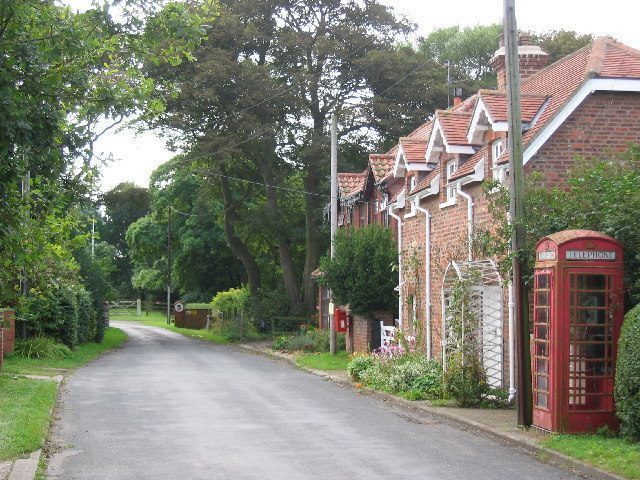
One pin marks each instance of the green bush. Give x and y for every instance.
(102, 322)
(411, 374)
(361, 271)
(310, 341)
(627, 388)
(358, 365)
(53, 313)
(86, 317)
(465, 381)
(41, 347)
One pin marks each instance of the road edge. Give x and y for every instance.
(540, 452)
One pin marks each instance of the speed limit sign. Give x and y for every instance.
(178, 306)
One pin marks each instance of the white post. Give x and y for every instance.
(334, 222)
(138, 307)
(427, 273)
(400, 303)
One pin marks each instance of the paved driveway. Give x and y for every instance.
(168, 407)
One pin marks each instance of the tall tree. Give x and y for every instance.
(123, 205)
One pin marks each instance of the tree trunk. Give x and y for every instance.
(238, 247)
(312, 212)
(284, 244)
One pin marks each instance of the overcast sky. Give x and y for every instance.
(136, 156)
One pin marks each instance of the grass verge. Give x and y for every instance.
(26, 405)
(324, 361)
(612, 454)
(113, 337)
(157, 319)
(25, 413)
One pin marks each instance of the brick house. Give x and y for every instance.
(363, 199)
(586, 104)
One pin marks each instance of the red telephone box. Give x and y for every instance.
(341, 322)
(577, 315)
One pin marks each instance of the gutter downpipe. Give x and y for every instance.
(427, 254)
(512, 356)
(469, 200)
(399, 219)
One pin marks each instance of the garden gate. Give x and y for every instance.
(472, 320)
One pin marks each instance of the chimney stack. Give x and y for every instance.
(532, 59)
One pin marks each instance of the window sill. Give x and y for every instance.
(448, 203)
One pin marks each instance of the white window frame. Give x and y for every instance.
(452, 166)
(499, 172)
(413, 182)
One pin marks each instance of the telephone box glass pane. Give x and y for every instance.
(590, 341)
(541, 321)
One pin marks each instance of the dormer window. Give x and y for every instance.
(452, 166)
(499, 171)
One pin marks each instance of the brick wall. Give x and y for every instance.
(603, 125)
(8, 335)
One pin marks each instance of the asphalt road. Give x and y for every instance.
(168, 407)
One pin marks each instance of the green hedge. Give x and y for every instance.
(627, 390)
(64, 313)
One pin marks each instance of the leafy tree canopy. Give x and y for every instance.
(361, 272)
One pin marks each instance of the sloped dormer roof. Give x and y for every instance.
(604, 65)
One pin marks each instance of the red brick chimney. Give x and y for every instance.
(532, 60)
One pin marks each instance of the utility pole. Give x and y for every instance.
(334, 222)
(516, 190)
(169, 268)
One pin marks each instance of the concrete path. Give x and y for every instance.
(169, 407)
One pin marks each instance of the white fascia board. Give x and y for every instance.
(500, 126)
(400, 166)
(433, 189)
(590, 86)
(400, 201)
(412, 213)
(465, 149)
(476, 130)
(431, 147)
(421, 167)
(476, 176)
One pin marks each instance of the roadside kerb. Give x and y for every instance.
(543, 453)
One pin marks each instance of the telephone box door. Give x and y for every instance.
(590, 338)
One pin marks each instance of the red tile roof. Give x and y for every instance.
(349, 183)
(423, 131)
(468, 167)
(604, 58)
(496, 103)
(426, 181)
(455, 125)
(620, 61)
(413, 149)
(381, 166)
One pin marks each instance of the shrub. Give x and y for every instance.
(102, 321)
(310, 341)
(361, 271)
(627, 389)
(41, 347)
(409, 374)
(53, 313)
(465, 380)
(86, 317)
(358, 365)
